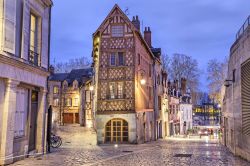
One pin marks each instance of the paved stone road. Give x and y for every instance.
(157, 153)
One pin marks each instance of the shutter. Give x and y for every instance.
(16, 129)
(245, 89)
(9, 26)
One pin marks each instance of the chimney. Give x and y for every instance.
(51, 70)
(183, 86)
(136, 22)
(147, 36)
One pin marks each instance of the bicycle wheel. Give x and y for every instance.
(54, 142)
(59, 140)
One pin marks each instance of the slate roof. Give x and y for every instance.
(81, 75)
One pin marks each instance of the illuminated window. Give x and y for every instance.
(76, 102)
(116, 131)
(112, 59)
(87, 96)
(55, 90)
(117, 31)
(120, 90)
(33, 43)
(68, 102)
(56, 102)
(112, 90)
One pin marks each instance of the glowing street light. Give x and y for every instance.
(91, 88)
(143, 81)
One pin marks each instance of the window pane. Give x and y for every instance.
(120, 90)
(121, 58)
(117, 30)
(112, 90)
(87, 96)
(112, 59)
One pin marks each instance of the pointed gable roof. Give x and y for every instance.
(127, 20)
(125, 17)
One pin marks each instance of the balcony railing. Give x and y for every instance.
(34, 58)
(243, 28)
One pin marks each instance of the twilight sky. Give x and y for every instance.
(203, 29)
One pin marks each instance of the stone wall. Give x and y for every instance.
(233, 137)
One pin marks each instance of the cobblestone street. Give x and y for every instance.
(162, 152)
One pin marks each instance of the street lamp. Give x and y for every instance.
(91, 88)
(142, 80)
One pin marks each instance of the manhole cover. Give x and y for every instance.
(182, 155)
(127, 151)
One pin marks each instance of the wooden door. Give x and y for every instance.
(68, 118)
(33, 120)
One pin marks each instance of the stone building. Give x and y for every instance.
(24, 63)
(124, 67)
(186, 109)
(161, 98)
(174, 108)
(235, 110)
(70, 97)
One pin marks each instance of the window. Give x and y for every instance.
(33, 44)
(139, 59)
(149, 70)
(56, 102)
(120, 90)
(120, 58)
(112, 59)
(21, 112)
(149, 93)
(87, 96)
(68, 102)
(117, 31)
(116, 131)
(55, 90)
(76, 102)
(112, 90)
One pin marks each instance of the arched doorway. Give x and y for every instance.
(116, 131)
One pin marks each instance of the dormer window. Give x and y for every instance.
(117, 31)
(75, 84)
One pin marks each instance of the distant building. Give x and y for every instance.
(24, 64)
(236, 112)
(70, 97)
(186, 109)
(174, 108)
(125, 80)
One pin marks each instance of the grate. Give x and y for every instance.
(127, 151)
(182, 155)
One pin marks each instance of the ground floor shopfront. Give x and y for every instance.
(23, 113)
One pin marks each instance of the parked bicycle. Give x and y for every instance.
(55, 141)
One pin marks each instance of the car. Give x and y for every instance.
(203, 132)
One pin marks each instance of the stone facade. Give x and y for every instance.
(235, 110)
(23, 77)
(124, 66)
(70, 97)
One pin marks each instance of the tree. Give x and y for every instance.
(184, 66)
(165, 59)
(77, 63)
(216, 71)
